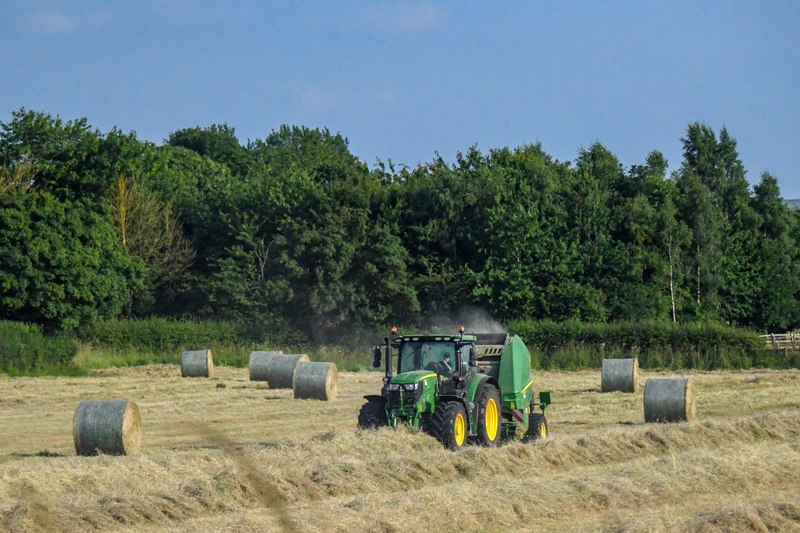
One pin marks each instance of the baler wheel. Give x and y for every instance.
(537, 427)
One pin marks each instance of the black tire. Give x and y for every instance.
(537, 427)
(449, 424)
(372, 414)
(488, 419)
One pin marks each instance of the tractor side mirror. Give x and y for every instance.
(376, 357)
(473, 357)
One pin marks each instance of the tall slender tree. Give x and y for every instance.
(776, 306)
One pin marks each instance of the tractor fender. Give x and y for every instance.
(472, 392)
(476, 384)
(371, 397)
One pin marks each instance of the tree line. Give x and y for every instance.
(295, 232)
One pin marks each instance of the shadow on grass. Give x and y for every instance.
(43, 453)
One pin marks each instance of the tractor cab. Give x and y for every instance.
(436, 356)
(445, 356)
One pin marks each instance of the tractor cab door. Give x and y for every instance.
(463, 359)
(453, 382)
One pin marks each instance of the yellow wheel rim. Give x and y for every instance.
(459, 429)
(543, 430)
(491, 419)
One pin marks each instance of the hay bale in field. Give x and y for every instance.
(668, 400)
(316, 381)
(260, 364)
(620, 375)
(112, 427)
(276, 368)
(197, 364)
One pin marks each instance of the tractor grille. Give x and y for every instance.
(394, 397)
(408, 397)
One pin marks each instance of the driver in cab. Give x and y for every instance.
(447, 368)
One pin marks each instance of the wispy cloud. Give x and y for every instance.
(313, 99)
(55, 21)
(197, 13)
(402, 17)
(381, 96)
(52, 21)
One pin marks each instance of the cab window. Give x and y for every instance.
(425, 356)
(464, 351)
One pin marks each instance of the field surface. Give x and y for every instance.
(227, 454)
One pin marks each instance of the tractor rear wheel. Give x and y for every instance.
(488, 422)
(372, 414)
(449, 424)
(537, 427)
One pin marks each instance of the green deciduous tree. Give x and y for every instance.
(293, 228)
(217, 142)
(149, 231)
(700, 184)
(309, 240)
(776, 305)
(525, 267)
(653, 237)
(61, 156)
(61, 266)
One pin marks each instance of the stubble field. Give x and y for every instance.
(229, 454)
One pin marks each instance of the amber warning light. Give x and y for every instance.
(461, 329)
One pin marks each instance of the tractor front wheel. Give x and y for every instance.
(449, 424)
(488, 422)
(372, 414)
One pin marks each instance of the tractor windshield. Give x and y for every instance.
(438, 357)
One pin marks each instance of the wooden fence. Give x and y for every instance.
(782, 341)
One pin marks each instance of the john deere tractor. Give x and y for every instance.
(460, 387)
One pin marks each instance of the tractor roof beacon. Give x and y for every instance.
(466, 387)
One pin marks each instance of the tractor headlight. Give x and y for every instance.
(411, 386)
(392, 387)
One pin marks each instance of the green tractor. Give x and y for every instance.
(477, 386)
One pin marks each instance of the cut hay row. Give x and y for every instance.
(616, 497)
(590, 499)
(617, 474)
(305, 465)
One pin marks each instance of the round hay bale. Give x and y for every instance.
(668, 400)
(111, 427)
(316, 381)
(620, 375)
(197, 364)
(275, 368)
(259, 364)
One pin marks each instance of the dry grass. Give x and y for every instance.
(229, 454)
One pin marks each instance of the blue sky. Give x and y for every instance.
(405, 80)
